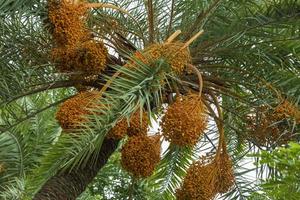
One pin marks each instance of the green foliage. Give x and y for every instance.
(128, 93)
(170, 171)
(27, 140)
(284, 180)
(7, 6)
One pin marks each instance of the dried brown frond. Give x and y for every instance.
(140, 155)
(73, 111)
(185, 120)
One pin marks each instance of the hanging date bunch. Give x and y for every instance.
(185, 120)
(74, 111)
(178, 56)
(137, 126)
(140, 155)
(225, 175)
(209, 176)
(175, 53)
(198, 184)
(206, 178)
(286, 109)
(75, 50)
(269, 127)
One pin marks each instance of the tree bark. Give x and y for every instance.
(69, 185)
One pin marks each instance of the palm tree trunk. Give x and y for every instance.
(69, 185)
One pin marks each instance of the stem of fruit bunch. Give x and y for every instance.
(104, 88)
(198, 73)
(192, 39)
(220, 125)
(211, 111)
(173, 37)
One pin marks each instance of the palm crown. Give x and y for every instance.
(221, 77)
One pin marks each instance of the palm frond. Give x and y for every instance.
(171, 171)
(127, 93)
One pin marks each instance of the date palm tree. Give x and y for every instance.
(244, 61)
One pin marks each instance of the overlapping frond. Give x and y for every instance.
(24, 141)
(130, 91)
(170, 171)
